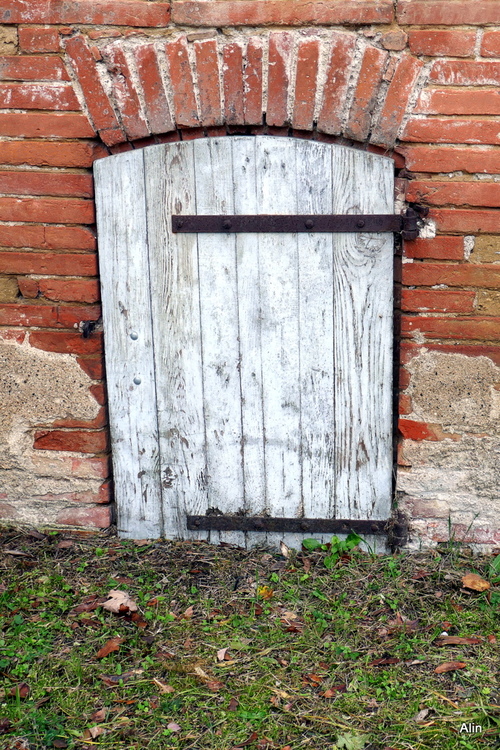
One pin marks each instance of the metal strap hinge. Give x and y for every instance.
(407, 225)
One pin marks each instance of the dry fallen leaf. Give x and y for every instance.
(119, 602)
(111, 680)
(164, 688)
(456, 640)
(233, 704)
(173, 727)
(475, 582)
(265, 592)
(450, 666)
(112, 645)
(334, 691)
(223, 655)
(22, 689)
(99, 715)
(187, 615)
(215, 685)
(285, 551)
(421, 715)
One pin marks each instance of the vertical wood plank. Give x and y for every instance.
(314, 186)
(220, 334)
(278, 273)
(363, 287)
(177, 337)
(125, 282)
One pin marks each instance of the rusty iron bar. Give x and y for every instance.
(407, 225)
(221, 522)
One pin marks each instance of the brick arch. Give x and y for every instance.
(336, 83)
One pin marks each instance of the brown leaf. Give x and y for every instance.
(64, 544)
(249, 741)
(285, 551)
(450, 666)
(59, 742)
(164, 688)
(16, 553)
(114, 679)
(456, 640)
(137, 619)
(383, 661)
(112, 645)
(475, 582)
(22, 689)
(223, 655)
(187, 615)
(233, 704)
(421, 715)
(335, 690)
(265, 592)
(99, 715)
(492, 639)
(312, 679)
(92, 732)
(215, 685)
(119, 602)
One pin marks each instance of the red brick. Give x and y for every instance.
(66, 342)
(47, 238)
(99, 393)
(396, 101)
(125, 94)
(438, 248)
(466, 220)
(337, 78)
(98, 12)
(62, 264)
(280, 52)
(32, 68)
(404, 404)
(47, 210)
(305, 84)
(99, 106)
(46, 183)
(58, 96)
(99, 516)
(28, 287)
(455, 13)
(451, 130)
(365, 95)
(99, 421)
(455, 193)
(490, 45)
(252, 79)
(442, 42)
(411, 430)
(275, 13)
(79, 441)
(36, 125)
(32, 39)
(46, 154)
(440, 159)
(466, 72)
(67, 290)
(430, 300)
(463, 101)
(409, 350)
(155, 100)
(182, 83)
(93, 367)
(480, 328)
(451, 274)
(207, 74)
(232, 71)
(46, 316)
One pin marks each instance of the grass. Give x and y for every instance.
(232, 649)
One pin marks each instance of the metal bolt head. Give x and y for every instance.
(309, 223)
(227, 224)
(137, 381)
(134, 336)
(360, 223)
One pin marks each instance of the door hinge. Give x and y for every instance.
(407, 225)
(221, 522)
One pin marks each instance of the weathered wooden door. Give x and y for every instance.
(248, 374)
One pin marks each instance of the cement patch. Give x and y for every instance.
(36, 388)
(458, 392)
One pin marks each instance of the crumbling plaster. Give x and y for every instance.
(37, 388)
(457, 479)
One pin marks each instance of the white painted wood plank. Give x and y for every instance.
(278, 273)
(220, 333)
(125, 283)
(363, 284)
(177, 337)
(314, 188)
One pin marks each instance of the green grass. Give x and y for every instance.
(317, 658)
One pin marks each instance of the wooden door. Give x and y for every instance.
(247, 373)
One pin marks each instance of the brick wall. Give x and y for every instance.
(415, 79)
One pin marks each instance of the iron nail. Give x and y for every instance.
(134, 336)
(137, 381)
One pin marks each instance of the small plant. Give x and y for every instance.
(335, 548)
